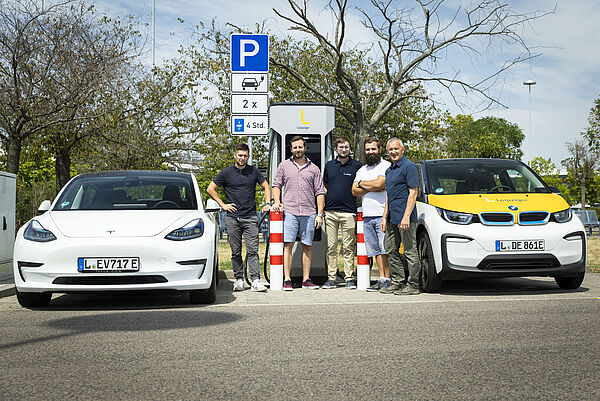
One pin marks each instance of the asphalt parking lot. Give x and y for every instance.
(521, 338)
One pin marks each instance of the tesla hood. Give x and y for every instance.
(121, 223)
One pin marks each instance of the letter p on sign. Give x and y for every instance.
(249, 53)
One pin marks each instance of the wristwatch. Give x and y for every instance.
(358, 184)
(320, 215)
(268, 203)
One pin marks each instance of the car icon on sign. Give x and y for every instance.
(251, 82)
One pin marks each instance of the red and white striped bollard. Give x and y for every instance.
(276, 250)
(363, 272)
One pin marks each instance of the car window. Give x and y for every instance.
(127, 192)
(469, 176)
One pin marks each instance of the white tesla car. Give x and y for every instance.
(119, 231)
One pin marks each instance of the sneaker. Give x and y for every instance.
(287, 285)
(258, 286)
(308, 284)
(391, 289)
(239, 285)
(408, 290)
(376, 287)
(329, 284)
(350, 285)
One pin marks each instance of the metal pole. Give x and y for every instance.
(153, 33)
(529, 84)
(250, 150)
(530, 131)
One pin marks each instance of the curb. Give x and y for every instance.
(7, 290)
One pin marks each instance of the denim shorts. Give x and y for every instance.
(294, 226)
(374, 237)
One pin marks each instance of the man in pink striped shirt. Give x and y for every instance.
(303, 204)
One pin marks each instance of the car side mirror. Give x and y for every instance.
(554, 190)
(212, 206)
(44, 207)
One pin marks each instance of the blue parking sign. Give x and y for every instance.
(249, 53)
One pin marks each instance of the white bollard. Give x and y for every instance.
(276, 250)
(363, 272)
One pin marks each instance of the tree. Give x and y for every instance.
(486, 137)
(592, 132)
(414, 44)
(55, 62)
(582, 165)
(549, 173)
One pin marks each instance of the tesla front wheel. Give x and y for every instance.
(34, 299)
(430, 281)
(570, 283)
(207, 296)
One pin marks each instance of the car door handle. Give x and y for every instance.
(4, 225)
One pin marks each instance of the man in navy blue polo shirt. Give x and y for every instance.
(402, 187)
(340, 212)
(239, 182)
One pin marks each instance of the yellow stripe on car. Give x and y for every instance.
(477, 203)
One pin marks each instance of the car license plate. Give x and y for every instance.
(108, 265)
(520, 245)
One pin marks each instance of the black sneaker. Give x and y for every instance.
(329, 284)
(287, 285)
(350, 285)
(375, 287)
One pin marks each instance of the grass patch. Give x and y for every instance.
(594, 253)
(225, 254)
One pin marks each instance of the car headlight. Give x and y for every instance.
(35, 232)
(455, 217)
(563, 216)
(193, 229)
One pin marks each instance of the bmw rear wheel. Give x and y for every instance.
(430, 281)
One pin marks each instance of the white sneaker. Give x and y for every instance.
(239, 285)
(257, 285)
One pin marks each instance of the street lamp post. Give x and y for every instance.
(529, 84)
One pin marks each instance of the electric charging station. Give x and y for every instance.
(315, 123)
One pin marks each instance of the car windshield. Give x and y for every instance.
(476, 176)
(128, 192)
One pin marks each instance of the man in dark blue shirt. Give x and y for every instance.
(239, 182)
(402, 187)
(340, 212)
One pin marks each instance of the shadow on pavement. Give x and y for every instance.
(504, 286)
(130, 322)
(134, 300)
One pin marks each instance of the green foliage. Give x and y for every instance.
(592, 132)
(486, 137)
(549, 173)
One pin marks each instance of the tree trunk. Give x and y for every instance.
(13, 155)
(63, 169)
(583, 194)
(361, 133)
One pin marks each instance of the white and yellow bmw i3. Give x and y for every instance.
(118, 231)
(494, 218)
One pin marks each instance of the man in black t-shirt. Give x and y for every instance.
(239, 183)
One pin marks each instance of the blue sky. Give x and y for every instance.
(567, 73)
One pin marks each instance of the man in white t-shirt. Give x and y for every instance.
(370, 184)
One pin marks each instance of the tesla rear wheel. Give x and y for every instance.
(430, 281)
(207, 296)
(34, 299)
(570, 283)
